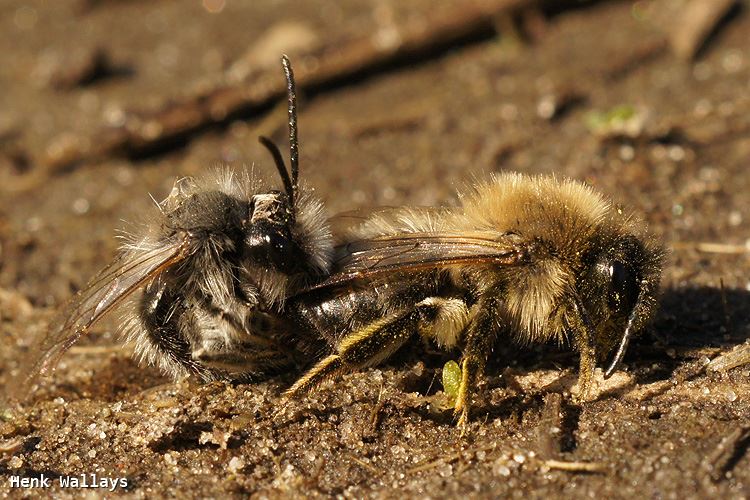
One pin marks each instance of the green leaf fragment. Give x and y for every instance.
(603, 121)
(451, 379)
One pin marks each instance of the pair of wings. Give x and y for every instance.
(360, 259)
(414, 251)
(127, 273)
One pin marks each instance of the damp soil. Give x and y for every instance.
(420, 101)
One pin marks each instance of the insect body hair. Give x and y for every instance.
(528, 258)
(209, 273)
(561, 220)
(203, 281)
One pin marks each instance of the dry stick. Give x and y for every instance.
(634, 58)
(738, 356)
(697, 20)
(448, 458)
(375, 414)
(369, 467)
(177, 119)
(575, 466)
(712, 247)
(719, 461)
(548, 439)
(548, 430)
(684, 373)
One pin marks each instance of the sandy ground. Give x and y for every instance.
(603, 92)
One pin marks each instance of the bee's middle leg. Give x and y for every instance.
(584, 343)
(226, 344)
(480, 339)
(238, 359)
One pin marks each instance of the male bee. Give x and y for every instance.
(527, 258)
(202, 285)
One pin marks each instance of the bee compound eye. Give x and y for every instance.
(623, 287)
(273, 246)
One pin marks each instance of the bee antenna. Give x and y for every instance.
(291, 92)
(280, 166)
(624, 341)
(290, 183)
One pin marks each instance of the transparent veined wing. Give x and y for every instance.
(131, 270)
(420, 251)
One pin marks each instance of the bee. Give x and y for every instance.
(202, 286)
(530, 259)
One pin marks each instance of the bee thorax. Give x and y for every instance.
(532, 301)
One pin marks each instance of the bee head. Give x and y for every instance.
(269, 239)
(618, 295)
(288, 229)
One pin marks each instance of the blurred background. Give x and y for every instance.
(103, 102)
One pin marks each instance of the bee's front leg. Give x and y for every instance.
(236, 341)
(586, 365)
(583, 339)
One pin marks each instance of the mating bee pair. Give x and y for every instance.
(229, 279)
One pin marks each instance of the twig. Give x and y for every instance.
(548, 431)
(726, 453)
(375, 415)
(431, 463)
(738, 356)
(143, 132)
(575, 466)
(635, 58)
(712, 247)
(698, 19)
(363, 464)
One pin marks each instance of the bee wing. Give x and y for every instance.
(413, 252)
(118, 280)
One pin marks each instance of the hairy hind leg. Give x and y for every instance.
(438, 317)
(364, 347)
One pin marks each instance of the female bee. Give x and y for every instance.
(211, 272)
(530, 258)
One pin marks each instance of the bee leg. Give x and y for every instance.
(480, 339)
(367, 346)
(326, 368)
(583, 340)
(587, 363)
(240, 345)
(158, 337)
(240, 360)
